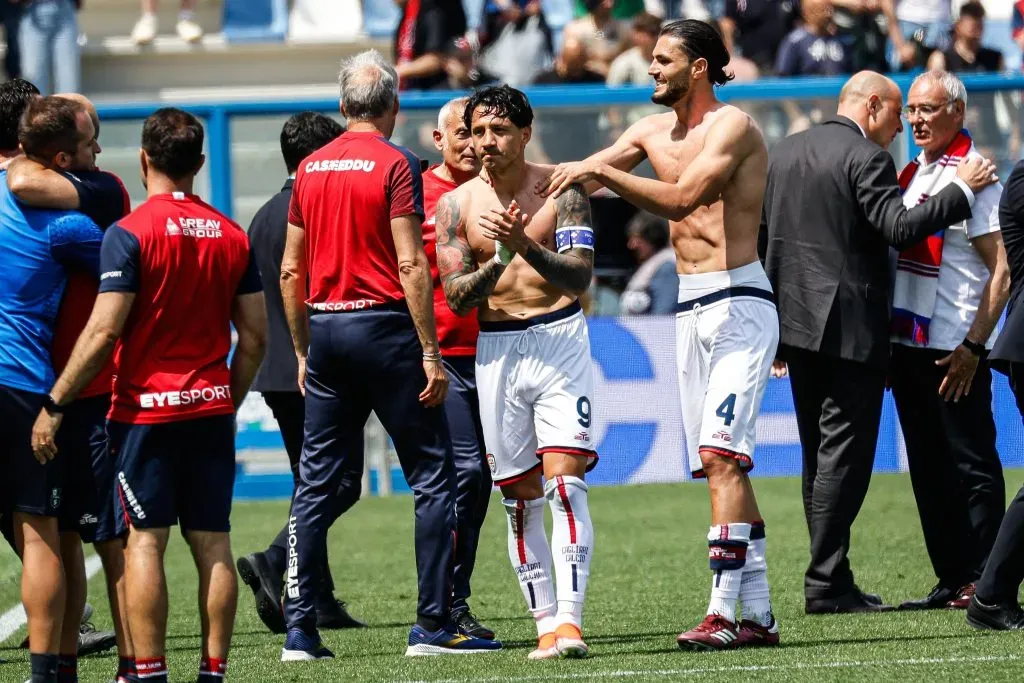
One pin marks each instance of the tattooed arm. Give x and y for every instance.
(572, 267)
(465, 285)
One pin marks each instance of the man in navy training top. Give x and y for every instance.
(88, 509)
(277, 381)
(355, 228)
(176, 273)
(39, 248)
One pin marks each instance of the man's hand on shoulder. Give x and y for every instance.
(977, 172)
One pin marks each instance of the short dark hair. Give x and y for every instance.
(701, 39)
(652, 228)
(173, 140)
(645, 22)
(49, 126)
(500, 100)
(15, 95)
(973, 9)
(305, 133)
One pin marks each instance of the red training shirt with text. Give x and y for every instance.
(456, 335)
(185, 262)
(344, 197)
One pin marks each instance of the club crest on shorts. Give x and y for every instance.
(491, 463)
(583, 437)
(722, 436)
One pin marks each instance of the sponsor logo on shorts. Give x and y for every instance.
(88, 519)
(194, 227)
(491, 463)
(584, 437)
(356, 305)
(292, 573)
(129, 496)
(722, 436)
(341, 165)
(55, 498)
(185, 397)
(111, 273)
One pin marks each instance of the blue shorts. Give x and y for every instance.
(175, 473)
(27, 486)
(89, 494)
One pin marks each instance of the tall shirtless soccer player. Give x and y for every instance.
(711, 163)
(523, 261)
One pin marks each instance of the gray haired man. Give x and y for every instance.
(361, 315)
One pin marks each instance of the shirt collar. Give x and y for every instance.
(856, 124)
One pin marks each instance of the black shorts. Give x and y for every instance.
(27, 485)
(89, 493)
(175, 473)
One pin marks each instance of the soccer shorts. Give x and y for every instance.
(28, 486)
(175, 473)
(89, 493)
(535, 383)
(727, 331)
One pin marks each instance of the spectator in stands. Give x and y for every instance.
(464, 73)
(630, 68)
(146, 27)
(423, 35)
(814, 49)
(967, 54)
(755, 29)
(602, 35)
(920, 27)
(48, 42)
(10, 13)
(515, 40)
(1017, 27)
(623, 10)
(571, 66)
(863, 27)
(654, 287)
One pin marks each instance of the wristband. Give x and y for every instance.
(503, 254)
(974, 347)
(436, 356)
(50, 406)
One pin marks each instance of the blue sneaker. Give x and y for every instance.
(302, 647)
(444, 642)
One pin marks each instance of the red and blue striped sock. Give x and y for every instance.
(212, 670)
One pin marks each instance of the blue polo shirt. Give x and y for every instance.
(38, 248)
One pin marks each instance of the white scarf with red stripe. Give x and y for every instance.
(917, 270)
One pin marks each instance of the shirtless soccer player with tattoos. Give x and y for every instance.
(711, 163)
(523, 261)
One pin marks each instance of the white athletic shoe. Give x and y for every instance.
(189, 30)
(145, 29)
(569, 642)
(545, 648)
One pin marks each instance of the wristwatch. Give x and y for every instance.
(974, 347)
(50, 406)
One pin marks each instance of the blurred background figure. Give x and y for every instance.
(602, 35)
(187, 27)
(814, 49)
(654, 287)
(921, 26)
(863, 25)
(10, 13)
(515, 40)
(48, 45)
(573, 65)
(464, 73)
(630, 68)
(754, 29)
(423, 36)
(967, 54)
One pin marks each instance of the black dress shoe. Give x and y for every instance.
(467, 625)
(332, 614)
(849, 603)
(258, 575)
(868, 597)
(998, 617)
(938, 598)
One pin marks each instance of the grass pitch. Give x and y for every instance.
(649, 581)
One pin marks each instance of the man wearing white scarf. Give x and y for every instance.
(949, 293)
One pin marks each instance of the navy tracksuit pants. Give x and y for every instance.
(462, 408)
(360, 361)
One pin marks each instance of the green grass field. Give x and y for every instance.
(649, 582)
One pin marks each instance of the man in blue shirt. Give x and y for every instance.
(39, 248)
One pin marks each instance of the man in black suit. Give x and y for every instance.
(832, 208)
(994, 605)
(277, 380)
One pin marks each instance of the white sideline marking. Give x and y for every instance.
(15, 617)
(796, 666)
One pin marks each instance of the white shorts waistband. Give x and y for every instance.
(699, 284)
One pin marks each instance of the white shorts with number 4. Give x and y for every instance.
(535, 382)
(727, 331)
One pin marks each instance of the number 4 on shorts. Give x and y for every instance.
(726, 411)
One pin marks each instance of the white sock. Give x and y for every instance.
(727, 552)
(572, 544)
(186, 15)
(757, 605)
(531, 558)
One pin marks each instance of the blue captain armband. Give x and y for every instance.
(574, 237)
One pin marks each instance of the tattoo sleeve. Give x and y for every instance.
(573, 269)
(465, 285)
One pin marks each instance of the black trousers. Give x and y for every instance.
(1004, 571)
(954, 466)
(838, 408)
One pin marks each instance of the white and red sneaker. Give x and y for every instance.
(714, 633)
(569, 642)
(753, 634)
(545, 648)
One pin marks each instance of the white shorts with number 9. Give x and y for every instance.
(535, 382)
(727, 332)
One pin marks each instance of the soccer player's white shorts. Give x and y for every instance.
(535, 382)
(727, 331)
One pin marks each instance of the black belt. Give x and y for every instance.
(726, 293)
(520, 325)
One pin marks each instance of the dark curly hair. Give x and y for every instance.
(503, 101)
(700, 39)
